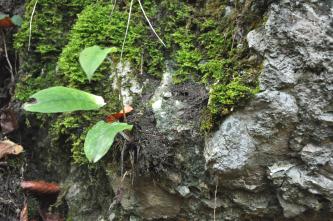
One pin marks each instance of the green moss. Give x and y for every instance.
(211, 49)
(227, 96)
(203, 44)
(206, 120)
(49, 26)
(96, 27)
(49, 36)
(49, 29)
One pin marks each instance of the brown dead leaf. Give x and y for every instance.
(6, 22)
(8, 147)
(116, 116)
(8, 121)
(40, 187)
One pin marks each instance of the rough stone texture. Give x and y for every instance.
(287, 128)
(86, 198)
(146, 199)
(272, 160)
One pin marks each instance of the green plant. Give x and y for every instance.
(100, 138)
(60, 99)
(91, 58)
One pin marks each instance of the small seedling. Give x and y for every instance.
(62, 99)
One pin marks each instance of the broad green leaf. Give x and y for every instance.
(62, 99)
(91, 58)
(17, 20)
(100, 138)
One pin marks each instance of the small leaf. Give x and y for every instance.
(100, 138)
(17, 20)
(91, 58)
(62, 99)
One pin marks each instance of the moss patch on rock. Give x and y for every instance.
(205, 44)
(210, 47)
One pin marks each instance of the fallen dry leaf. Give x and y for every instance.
(8, 121)
(116, 116)
(6, 22)
(40, 187)
(111, 119)
(8, 147)
(24, 212)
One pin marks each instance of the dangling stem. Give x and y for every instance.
(150, 25)
(126, 33)
(113, 7)
(12, 79)
(119, 81)
(30, 24)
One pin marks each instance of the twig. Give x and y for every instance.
(30, 24)
(113, 7)
(150, 25)
(141, 65)
(7, 57)
(122, 158)
(123, 178)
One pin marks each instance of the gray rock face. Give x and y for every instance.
(258, 131)
(168, 111)
(287, 128)
(272, 160)
(149, 201)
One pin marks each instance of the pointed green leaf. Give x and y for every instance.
(17, 20)
(62, 99)
(91, 58)
(100, 138)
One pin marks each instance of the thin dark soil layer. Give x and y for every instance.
(11, 168)
(11, 197)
